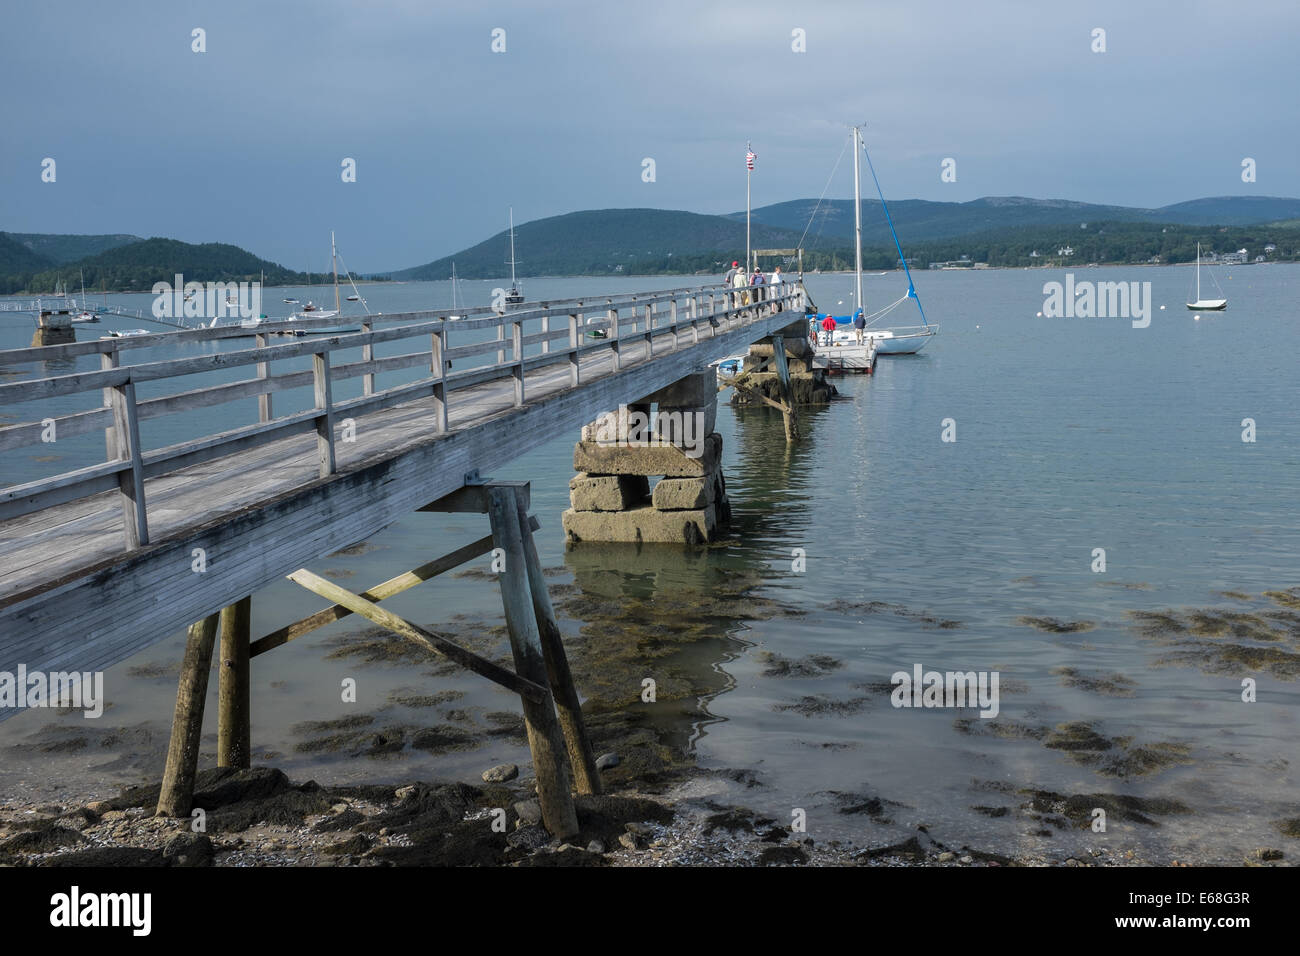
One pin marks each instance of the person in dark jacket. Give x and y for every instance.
(859, 325)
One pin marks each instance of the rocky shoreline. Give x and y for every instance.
(258, 817)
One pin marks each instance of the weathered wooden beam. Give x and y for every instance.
(177, 795)
(234, 726)
(545, 739)
(567, 703)
(788, 414)
(524, 687)
(264, 410)
(473, 499)
(320, 363)
(126, 440)
(403, 582)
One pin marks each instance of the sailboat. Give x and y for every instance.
(1205, 305)
(85, 315)
(454, 284)
(846, 352)
(514, 296)
(904, 340)
(313, 311)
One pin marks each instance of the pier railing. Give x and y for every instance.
(562, 339)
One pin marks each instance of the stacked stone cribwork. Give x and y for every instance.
(808, 385)
(620, 452)
(53, 328)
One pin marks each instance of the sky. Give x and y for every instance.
(244, 142)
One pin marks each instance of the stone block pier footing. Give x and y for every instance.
(612, 498)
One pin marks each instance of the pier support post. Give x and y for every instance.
(545, 739)
(234, 731)
(807, 383)
(177, 794)
(789, 414)
(581, 757)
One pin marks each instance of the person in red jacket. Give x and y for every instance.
(828, 329)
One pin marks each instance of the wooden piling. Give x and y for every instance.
(177, 794)
(234, 731)
(789, 415)
(569, 708)
(545, 740)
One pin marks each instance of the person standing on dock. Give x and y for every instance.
(775, 283)
(758, 280)
(739, 282)
(859, 325)
(828, 329)
(730, 280)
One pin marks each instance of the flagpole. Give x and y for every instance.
(748, 173)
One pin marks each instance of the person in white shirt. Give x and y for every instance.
(740, 283)
(775, 283)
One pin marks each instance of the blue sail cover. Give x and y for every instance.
(839, 319)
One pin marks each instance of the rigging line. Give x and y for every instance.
(911, 289)
(823, 196)
(886, 310)
(348, 272)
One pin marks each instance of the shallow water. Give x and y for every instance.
(1072, 435)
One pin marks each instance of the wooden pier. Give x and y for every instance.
(100, 562)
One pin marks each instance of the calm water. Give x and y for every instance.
(1072, 435)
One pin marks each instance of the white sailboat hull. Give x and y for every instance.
(1208, 305)
(907, 343)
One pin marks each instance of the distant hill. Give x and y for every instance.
(602, 241)
(1231, 210)
(62, 250)
(918, 220)
(135, 267)
(648, 241)
(15, 257)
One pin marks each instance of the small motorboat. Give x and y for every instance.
(729, 367)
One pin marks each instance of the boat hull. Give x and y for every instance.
(902, 344)
(1208, 305)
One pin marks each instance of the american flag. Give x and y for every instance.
(749, 159)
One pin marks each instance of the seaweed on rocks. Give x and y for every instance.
(812, 665)
(1108, 685)
(1053, 625)
(1078, 808)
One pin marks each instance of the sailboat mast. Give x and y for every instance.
(334, 254)
(1198, 272)
(857, 221)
